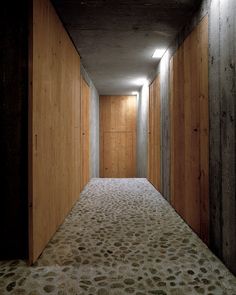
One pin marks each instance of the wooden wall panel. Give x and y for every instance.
(85, 133)
(154, 134)
(189, 130)
(118, 136)
(55, 131)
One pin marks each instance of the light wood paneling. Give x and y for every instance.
(189, 130)
(154, 135)
(118, 136)
(55, 131)
(85, 133)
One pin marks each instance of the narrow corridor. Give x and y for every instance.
(121, 237)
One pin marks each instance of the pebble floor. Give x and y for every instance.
(121, 237)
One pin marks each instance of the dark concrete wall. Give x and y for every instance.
(94, 134)
(13, 129)
(94, 126)
(165, 125)
(142, 132)
(222, 99)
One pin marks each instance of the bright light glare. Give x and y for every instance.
(158, 53)
(134, 92)
(141, 81)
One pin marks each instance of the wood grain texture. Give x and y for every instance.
(189, 130)
(85, 133)
(154, 134)
(55, 131)
(118, 136)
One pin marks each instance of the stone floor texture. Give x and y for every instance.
(121, 237)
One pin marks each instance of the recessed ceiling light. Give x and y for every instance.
(134, 92)
(141, 81)
(158, 53)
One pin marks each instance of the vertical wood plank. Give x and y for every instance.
(177, 126)
(118, 136)
(189, 130)
(55, 111)
(192, 161)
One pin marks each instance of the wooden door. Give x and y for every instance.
(85, 133)
(118, 136)
(189, 130)
(54, 124)
(154, 134)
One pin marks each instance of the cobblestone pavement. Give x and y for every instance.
(121, 237)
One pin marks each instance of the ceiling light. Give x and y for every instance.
(134, 92)
(141, 81)
(158, 53)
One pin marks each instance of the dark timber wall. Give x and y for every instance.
(13, 129)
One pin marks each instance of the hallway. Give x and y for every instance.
(121, 237)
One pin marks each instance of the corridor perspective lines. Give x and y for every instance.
(121, 237)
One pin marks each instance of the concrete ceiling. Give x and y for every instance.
(117, 38)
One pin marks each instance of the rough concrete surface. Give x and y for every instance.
(222, 93)
(116, 39)
(94, 125)
(142, 132)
